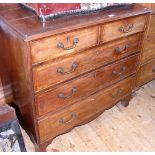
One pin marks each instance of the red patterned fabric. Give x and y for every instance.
(52, 8)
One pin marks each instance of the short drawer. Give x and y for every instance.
(53, 125)
(146, 73)
(62, 44)
(114, 30)
(67, 68)
(83, 86)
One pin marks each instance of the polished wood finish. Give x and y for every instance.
(151, 29)
(113, 130)
(56, 66)
(29, 28)
(6, 85)
(114, 30)
(149, 42)
(148, 5)
(146, 72)
(48, 48)
(48, 75)
(20, 63)
(93, 104)
(85, 85)
(148, 51)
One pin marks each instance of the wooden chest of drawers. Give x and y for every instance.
(146, 71)
(67, 71)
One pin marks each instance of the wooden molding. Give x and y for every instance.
(6, 94)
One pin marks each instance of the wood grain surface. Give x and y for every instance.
(130, 129)
(47, 48)
(32, 45)
(47, 74)
(146, 72)
(111, 31)
(84, 85)
(84, 110)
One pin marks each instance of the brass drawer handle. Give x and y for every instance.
(127, 29)
(62, 95)
(124, 68)
(61, 45)
(117, 94)
(120, 50)
(61, 70)
(73, 117)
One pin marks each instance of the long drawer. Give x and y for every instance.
(146, 73)
(84, 86)
(67, 68)
(62, 44)
(114, 30)
(55, 124)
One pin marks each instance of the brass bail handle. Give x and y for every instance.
(61, 45)
(73, 92)
(120, 50)
(126, 29)
(73, 117)
(124, 68)
(73, 67)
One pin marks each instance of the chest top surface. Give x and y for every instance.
(29, 27)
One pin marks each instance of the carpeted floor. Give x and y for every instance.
(117, 129)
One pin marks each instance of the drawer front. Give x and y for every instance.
(149, 50)
(146, 73)
(149, 43)
(84, 86)
(67, 68)
(151, 31)
(60, 122)
(114, 30)
(66, 43)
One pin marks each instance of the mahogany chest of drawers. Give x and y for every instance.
(146, 71)
(67, 71)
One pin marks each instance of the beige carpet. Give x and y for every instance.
(117, 129)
